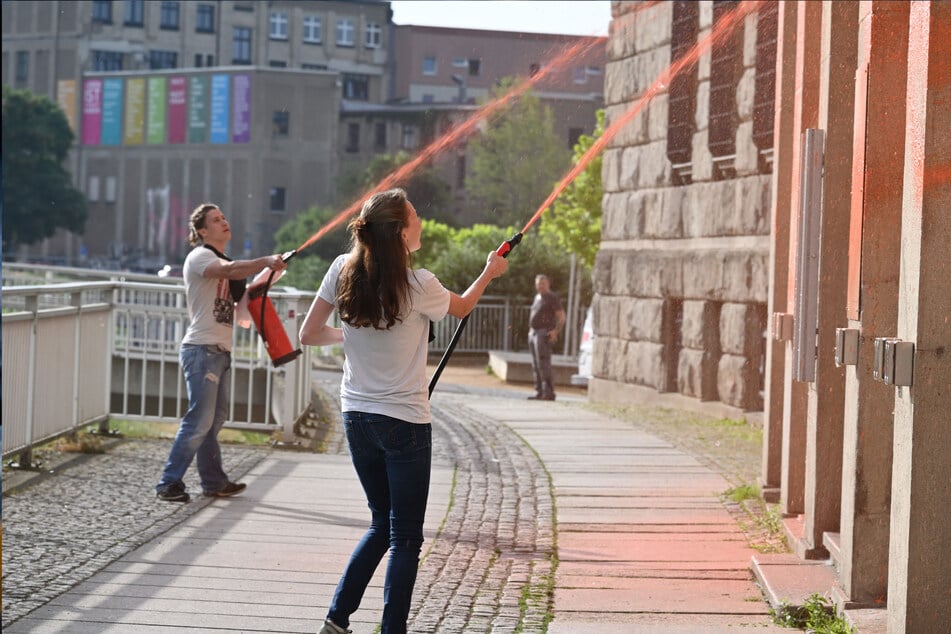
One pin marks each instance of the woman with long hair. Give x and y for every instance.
(385, 308)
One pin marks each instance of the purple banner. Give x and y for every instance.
(241, 102)
(92, 111)
(177, 109)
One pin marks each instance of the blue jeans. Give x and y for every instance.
(207, 377)
(392, 459)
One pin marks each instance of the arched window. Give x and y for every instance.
(682, 94)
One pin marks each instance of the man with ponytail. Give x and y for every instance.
(213, 285)
(385, 307)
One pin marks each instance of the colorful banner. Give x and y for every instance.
(112, 111)
(66, 98)
(219, 108)
(134, 112)
(155, 124)
(177, 104)
(92, 111)
(198, 110)
(241, 105)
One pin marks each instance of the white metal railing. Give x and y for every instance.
(76, 353)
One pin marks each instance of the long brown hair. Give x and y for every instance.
(373, 287)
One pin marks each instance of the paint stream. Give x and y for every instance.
(723, 29)
(470, 125)
(459, 133)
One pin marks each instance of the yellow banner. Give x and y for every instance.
(134, 112)
(66, 98)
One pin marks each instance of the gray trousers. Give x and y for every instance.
(540, 348)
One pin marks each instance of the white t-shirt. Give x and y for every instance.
(385, 370)
(210, 306)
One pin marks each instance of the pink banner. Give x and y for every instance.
(177, 109)
(92, 111)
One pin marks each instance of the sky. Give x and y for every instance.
(567, 17)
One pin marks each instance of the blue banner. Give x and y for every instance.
(219, 108)
(112, 111)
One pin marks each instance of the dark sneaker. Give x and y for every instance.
(547, 397)
(232, 488)
(536, 397)
(173, 493)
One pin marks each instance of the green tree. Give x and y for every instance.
(425, 187)
(38, 196)
(574, 221)
(307, 269)
(516, 162)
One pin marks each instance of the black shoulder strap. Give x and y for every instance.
(237, 287)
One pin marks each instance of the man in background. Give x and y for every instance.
(545, 322)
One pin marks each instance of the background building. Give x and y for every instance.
(314, 89)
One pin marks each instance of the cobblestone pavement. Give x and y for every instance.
(66, 527)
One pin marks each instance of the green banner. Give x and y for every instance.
(155, 128)
(198, 110)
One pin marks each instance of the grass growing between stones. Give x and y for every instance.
(817, 615)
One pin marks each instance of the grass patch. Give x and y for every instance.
(166, 431)
(743, 492)
(816, 615)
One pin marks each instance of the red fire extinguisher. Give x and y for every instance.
(267, 322)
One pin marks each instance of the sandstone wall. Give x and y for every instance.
(681, 278)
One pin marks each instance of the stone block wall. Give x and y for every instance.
(681, 277)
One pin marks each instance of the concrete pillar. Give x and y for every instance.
(826, 403)
(783, 170)
(874, 257)
(919, 571)
(805, 115)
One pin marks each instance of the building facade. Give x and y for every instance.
(681, 276)
(324, 87)
(825, 227)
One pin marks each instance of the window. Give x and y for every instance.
(278, 195)
(244, 6)
(110, 196)
(459, 62)
(579, 75)
(93, 194)
(276, 63)
(170, 11)
(429, 65)
(106, 60)
(23, 65)
(208, 59)
(353, 137)
(409, 137)
(134, 12)
(461, 170)
(163, 59)
(574, 134)
(427, 98)
(241, 45)
(374, 35)
(314, 66)
(198, 59)
(725, 69)
(533, 69)
(312, 29)
(278, 25)
(764, 92)
(282, 122)
(345, 32)
(682, 93)
(205, 18)
(474, 67)
(102, 11)
(595, 70)
(380, 136)
(356, 87)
